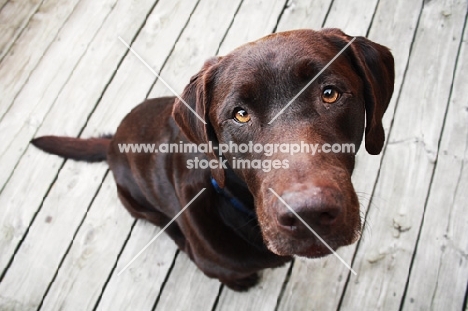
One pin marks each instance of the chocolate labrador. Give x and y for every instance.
(238, 226)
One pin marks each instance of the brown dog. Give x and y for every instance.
(238, 226)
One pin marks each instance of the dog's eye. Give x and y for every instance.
(241, 116)
(330, 95)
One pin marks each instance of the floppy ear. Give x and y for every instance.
(375, 65)
(189, 115)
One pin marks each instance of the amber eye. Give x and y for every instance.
(241, 116)
(330, 95)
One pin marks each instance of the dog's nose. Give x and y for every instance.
(319, 208)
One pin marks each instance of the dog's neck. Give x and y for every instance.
(235, 202)
(239, 213)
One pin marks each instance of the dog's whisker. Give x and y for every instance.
(366, 230)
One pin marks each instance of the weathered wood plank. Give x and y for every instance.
(383, 260)
(33, 103)
(29, 48)
(304, 14)
(316, 284)
(133, 80)
(77, 285)
(3, 3)
(99, 62)
(264, 296)
(36, 262)
(245, 28)
(353, 17)
(18, 128)
(138, 287)
(199, 291)
(440, 268)
(129, 86)
(196, 45)
(14, 17)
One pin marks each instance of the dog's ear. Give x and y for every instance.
(190, 113)
(375, 65)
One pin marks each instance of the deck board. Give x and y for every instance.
(188, 288)
(49, 237)
(28, 49)
(239, 34)
(92, 254)
(112, 114)
(40, 93)
(343, 15)
(443, 234)
(77, 89)
(3, 3)
(138, 287)
(202, 38)
(382, 261)
(14, 17)
(64, 236)
(304, 14)
(262, 297)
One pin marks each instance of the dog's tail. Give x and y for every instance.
(89, 150)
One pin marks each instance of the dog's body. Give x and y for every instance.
(223, 240)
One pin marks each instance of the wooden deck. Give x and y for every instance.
(64, 235)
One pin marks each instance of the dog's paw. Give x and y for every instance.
(243, 284)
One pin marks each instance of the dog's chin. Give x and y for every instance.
(310, 248)
(315, 252)
(300, 248)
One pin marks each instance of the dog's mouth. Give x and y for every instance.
(312, 251)
(310, 248)
(310, 242)
(315, 251)
(309, 219)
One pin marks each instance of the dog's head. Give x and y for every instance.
(240, 96)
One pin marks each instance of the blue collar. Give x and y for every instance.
(233, 200)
